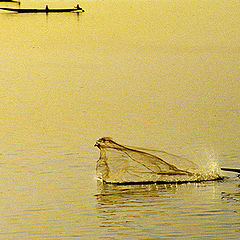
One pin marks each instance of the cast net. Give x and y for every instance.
(123, 164)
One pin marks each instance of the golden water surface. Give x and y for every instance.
(160, 74)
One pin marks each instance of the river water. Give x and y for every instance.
(156, 74)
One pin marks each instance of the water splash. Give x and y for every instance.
(210, 165)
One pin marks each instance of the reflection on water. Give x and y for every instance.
(166, 210)
(125, 207)
(233, 195)
(111, 194)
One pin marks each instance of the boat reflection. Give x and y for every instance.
(232, 195)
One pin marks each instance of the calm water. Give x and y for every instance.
(158, 74)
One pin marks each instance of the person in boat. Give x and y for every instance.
(78, 7)
(47, 9)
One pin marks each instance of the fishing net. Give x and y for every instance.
(123, 164)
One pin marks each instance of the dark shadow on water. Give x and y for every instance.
(233, 195)
(77, 15)
(161, 182)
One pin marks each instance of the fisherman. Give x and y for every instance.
(47, 9)
(79, 8)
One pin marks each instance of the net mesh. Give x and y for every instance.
(124, 164)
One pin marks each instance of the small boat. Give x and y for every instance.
(231, 170)
(11, 1)
(45, 10)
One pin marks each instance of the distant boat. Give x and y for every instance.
(231, 170)
(10, 1)
(45, 10)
